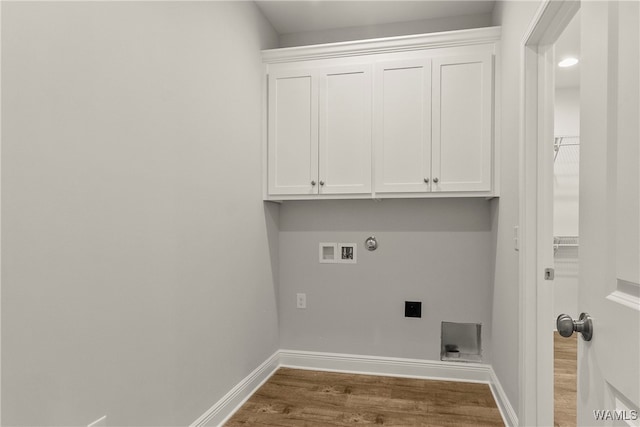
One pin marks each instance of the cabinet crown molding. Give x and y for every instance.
(383, 45)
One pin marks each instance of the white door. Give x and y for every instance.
(609, 364)
(402, 123)
(462, 122)
(293, 132)
(345, 130)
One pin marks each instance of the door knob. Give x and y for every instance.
(567, 326)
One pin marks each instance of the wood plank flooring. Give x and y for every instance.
(293, 397)
(565, 381)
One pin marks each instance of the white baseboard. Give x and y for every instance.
(219, 413)
(504, 405)
(385, 366)
(222, 410)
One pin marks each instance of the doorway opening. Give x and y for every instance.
(609, 201)
(537, 315)
(566, 166)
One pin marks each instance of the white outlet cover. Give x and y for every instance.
(347, 253)
(301, 300)
(328, 253)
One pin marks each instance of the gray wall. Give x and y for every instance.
(514, 17)
(386, 30)
(137, 279)
(436, 251)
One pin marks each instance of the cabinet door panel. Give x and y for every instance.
(403, 126)
(345, 130)
(462, 117)
(293, 132)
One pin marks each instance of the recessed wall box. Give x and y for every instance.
(461, 342)
(328, 253)
(347, 253)
(413, 309)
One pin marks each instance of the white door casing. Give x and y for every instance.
(536, 212)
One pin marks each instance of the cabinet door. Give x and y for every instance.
(345, 130)
(462, 122)
(293, 132)
(402, 126)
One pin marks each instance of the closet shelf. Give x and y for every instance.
(564, 242)
(560, 142)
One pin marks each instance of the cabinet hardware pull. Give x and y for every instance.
(435, 180)
(313, 183)
(426, 180)
(321, 182)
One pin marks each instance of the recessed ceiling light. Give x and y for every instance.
(568, 62)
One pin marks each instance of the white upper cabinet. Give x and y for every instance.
(345, 130)
(402, 130)
(399, 117)
(462, 123)
(320, 131)
(293, 132)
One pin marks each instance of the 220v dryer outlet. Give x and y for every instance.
(413, 309)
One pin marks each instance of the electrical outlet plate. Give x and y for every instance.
(301, 300)
(347, 253)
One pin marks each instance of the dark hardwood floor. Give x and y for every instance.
(293, 397)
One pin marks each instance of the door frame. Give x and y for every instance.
(0, 214)
(535, 347)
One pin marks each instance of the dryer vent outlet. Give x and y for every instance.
(461, 342)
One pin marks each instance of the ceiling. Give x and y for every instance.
(318, 15)
(568, 45)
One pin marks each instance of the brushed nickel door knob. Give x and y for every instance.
(567, 326)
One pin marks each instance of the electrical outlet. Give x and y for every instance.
(301, 300)
(413, 309)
